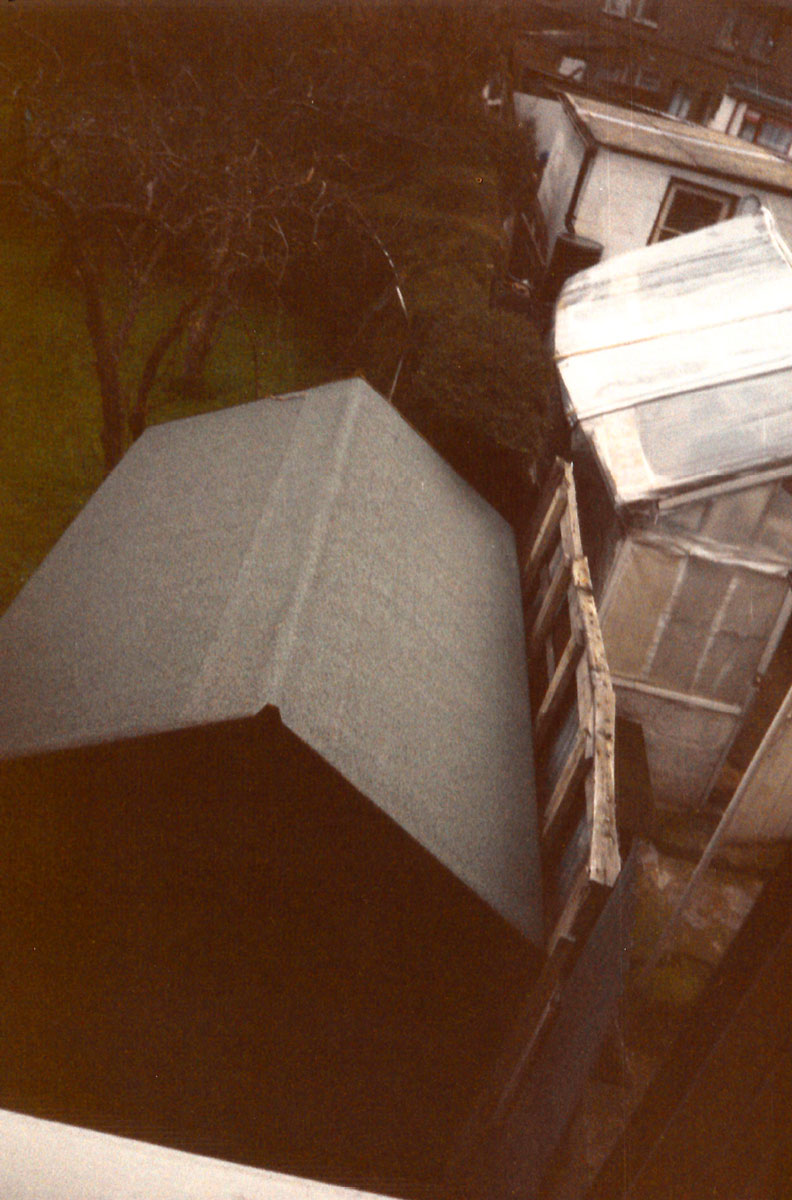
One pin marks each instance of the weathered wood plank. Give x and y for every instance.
(568, 922)
(605, 862)
(549, 607)
(553, 501)
(570, 524)
(585, 701)
(587, 612)
(571, 775)
(558, 688)
(557, 569)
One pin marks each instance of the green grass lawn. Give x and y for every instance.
(50, 453)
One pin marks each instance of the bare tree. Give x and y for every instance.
(145, 167)
(315, 152)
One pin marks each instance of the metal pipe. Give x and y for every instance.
(589, 153)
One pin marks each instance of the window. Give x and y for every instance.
(756, 35)
(573, 68)
(775, 135)
(704, 107)
(771, 132)
(731, 30)
(750, 125)
(680, 102)
(689, 206)
(649, 80)
(616, 8)
(763, 41)
(611, 73)
(647, 11)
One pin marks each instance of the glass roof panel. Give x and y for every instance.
(676, 359)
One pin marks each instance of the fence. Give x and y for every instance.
(574, 718)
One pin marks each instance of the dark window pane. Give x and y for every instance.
(692, 210)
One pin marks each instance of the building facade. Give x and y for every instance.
(614, 179)
(724, 64)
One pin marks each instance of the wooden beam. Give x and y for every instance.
(571, 774)
(547, 531)
(605, 862)
(550, 604)
(558, 687)
(570, 527)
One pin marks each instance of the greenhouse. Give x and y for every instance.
(676, 368)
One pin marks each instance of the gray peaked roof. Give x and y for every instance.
(310, 552)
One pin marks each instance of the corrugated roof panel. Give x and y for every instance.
(672, 444)
(676, 359)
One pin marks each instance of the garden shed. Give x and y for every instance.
(270, 868)
(676, 367)
(617, 178)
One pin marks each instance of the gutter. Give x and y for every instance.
(745, 178)
(693, 168)
(590, 147)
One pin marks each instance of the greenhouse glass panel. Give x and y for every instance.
(638, 597)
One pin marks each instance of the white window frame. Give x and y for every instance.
(754, 123)
(675, 186)
(681, 102)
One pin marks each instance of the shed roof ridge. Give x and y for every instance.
(284, 645)
(207, 689)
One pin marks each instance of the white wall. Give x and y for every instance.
(621, 198)
(722, 118)
(622, 194)
(43, 1160)
(555, 135)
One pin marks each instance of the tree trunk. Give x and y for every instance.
(139, 411)
(112, 414)
(106, 363)
(200, 337)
